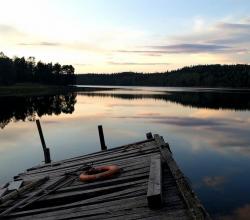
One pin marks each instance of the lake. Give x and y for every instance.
(207, 129)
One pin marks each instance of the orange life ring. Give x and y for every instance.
(97, 173)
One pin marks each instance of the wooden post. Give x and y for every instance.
(101, 136)
(47, 158)
(149, 136)
(46, 150)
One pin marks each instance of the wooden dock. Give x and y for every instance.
(150, 186)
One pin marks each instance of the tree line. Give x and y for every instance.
(194, 76)
(21, 70)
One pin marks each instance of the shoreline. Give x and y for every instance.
(25, 89)
(41, 89)
(34, 89)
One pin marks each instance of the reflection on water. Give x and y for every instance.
(208, 132)
(199, 99)
(22, 108)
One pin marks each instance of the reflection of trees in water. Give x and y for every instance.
(22, 108)
(28, 108)
(219, 100)
(212, 100)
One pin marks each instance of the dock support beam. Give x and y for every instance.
(46, 150)
(101, 136)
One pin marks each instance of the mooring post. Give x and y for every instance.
(46, 150)
(149, 136)
(101, 136)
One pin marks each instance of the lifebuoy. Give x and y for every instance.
(97, 173)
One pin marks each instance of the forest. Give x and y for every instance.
(21, 70)
(232, 76)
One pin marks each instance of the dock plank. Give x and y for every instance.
(154, 194)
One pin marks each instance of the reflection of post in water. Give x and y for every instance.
(45, 149)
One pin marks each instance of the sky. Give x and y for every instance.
(105, 36)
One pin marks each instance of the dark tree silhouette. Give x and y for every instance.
(20, 70)
(195, 76)
(7, 73)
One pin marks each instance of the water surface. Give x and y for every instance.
(208, 131)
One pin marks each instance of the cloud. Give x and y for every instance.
(221, 37)
(7, 29)
(136, 64)
(81, 64)
(234, 26)
(10, 32)
(50, 44)
(79, 46)
(193, 48)
(214, 181)
(231, 33)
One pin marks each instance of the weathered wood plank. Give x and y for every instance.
(89, 193)
(3, 192)
(103, 183)
(154, 194)
(15, 185)
(2, 186)
(129, 147)
(95, 209)
(122, 194)
(120, 157)
(24, 189)
(122, 160)
(106, 159)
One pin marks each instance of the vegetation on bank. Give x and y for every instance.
(21, 70)
(234, 76)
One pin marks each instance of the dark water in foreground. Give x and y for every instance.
(208, 131)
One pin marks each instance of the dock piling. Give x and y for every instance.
(149, 136)
(101, 136)
(46, 150)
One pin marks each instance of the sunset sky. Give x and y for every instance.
(127, 35)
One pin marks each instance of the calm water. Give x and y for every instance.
(208, 131)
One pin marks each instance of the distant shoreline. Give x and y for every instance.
(29, 89)
(203, 76)
(191, 88)
(23, 89)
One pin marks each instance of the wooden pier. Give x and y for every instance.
(149, 186)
